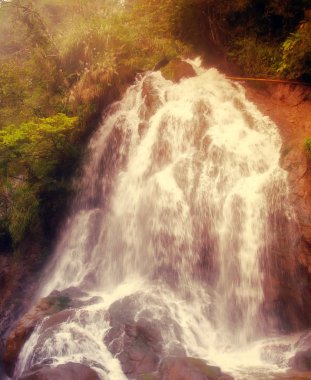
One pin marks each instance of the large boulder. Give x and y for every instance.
(176, 70)
(301, 361)
(136, 338)
(138, 346)
(68, 371)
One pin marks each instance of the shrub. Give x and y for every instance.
(296, 53)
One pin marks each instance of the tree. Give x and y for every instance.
(29, 155)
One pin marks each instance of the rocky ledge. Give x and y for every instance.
(137, 344)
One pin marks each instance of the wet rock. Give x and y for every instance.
(186, 368)
(304, 341)
(71, 293)
(135, 310)
(25, 326)
(59, 307)
(302, 360)
(71, 297)
(68, 371)
(58, 318)
(152, 99)
(176, 70)
(137, 345)
(123, 311)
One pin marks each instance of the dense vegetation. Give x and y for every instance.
(63, 61)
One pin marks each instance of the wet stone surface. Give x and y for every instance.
(68, 371)
(138, 345)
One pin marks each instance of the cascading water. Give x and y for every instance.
(172, 222)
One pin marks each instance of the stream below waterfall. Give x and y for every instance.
(171, 233)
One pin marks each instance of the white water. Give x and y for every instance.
(174, 209)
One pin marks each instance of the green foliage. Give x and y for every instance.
(29, 70)
(29, 156)
(34, 148)
(256, 57)
(296, 53)
(203, 22)
(13, 87)
(84, 45)
(149, 31)
(265, 37)
(275, 38)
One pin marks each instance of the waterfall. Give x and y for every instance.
(173, 219)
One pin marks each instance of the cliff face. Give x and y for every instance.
(289, 106)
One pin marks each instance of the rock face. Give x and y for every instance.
(68, 371)
(288, 284)
(289, 107)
